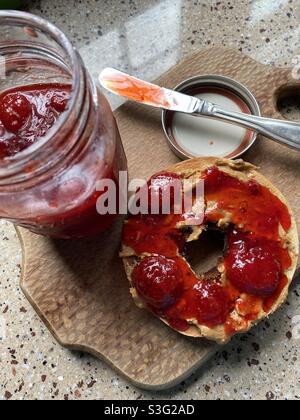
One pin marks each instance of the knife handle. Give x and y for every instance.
(284, 132)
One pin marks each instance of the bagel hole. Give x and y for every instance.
(288, 103)
(205, 254)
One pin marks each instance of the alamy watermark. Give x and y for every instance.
(158, 197)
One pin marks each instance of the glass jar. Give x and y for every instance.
(50, 187)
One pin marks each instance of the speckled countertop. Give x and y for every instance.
(147, 37)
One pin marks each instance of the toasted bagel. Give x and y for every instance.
(244, 172)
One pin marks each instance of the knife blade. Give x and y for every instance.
(283, 132)
(132, 88)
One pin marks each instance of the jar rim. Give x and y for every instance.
(17, 161)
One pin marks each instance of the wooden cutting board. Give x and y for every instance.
(79, 288)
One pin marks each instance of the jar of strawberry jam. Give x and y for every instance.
(58, 135)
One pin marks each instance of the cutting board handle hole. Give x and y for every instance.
(288, 102)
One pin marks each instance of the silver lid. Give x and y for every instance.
(191, 137)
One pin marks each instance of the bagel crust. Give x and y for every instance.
(220, 332)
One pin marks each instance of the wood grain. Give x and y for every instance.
(79, 288)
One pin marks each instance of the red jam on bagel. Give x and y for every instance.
(260, 256)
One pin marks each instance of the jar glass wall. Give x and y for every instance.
(66, 141)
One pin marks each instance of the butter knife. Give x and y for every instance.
(122, 84)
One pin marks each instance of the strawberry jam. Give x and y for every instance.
(157, 233)
(59, 142)
(154, 235)
(127, 86)
(161, 192)
(62, 203)
(209, 302)
(253, 264)
(28, 113)
(250, 204)
(158, 280)
(255, 259)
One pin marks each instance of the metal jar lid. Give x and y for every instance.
(191, 137)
